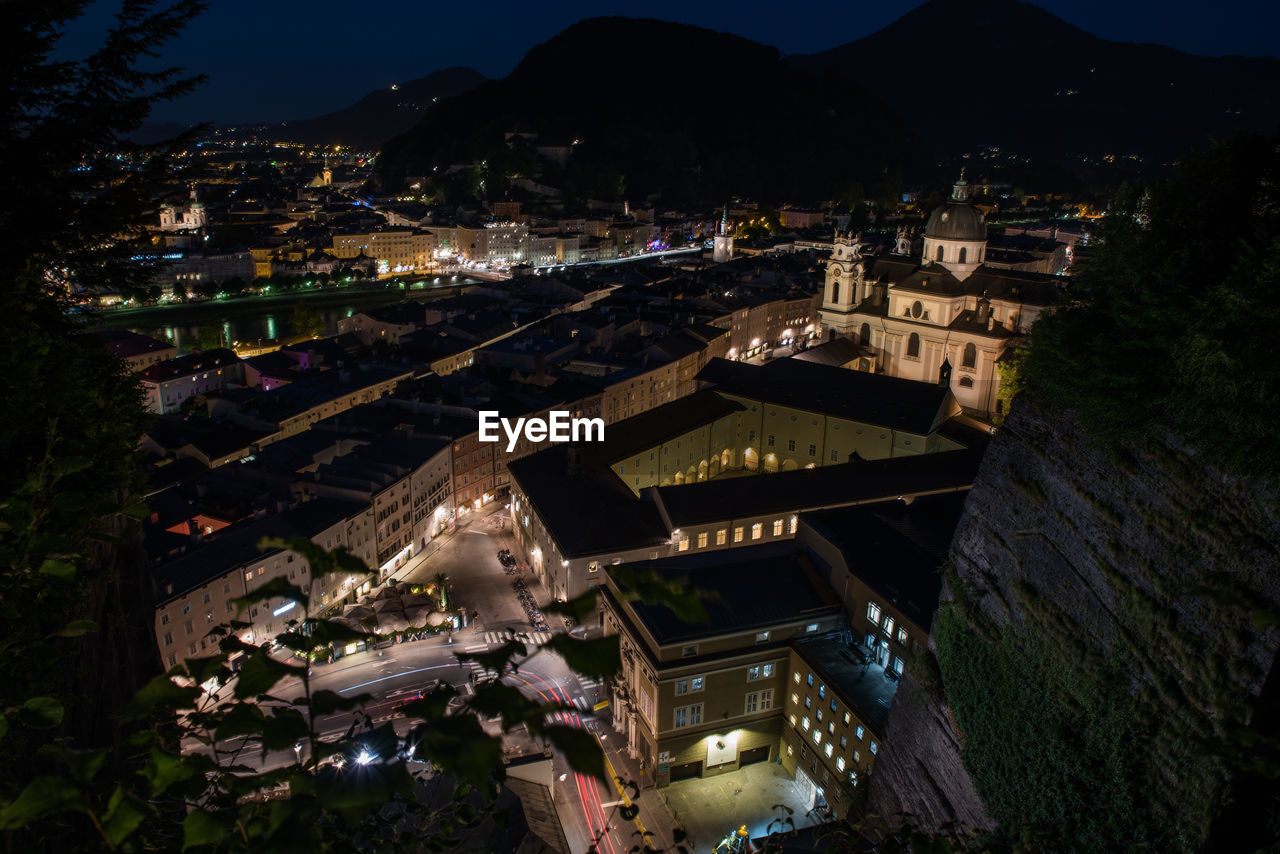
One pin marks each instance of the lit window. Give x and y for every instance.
(804, 724)
(695, 684)
(689, 651)
(777, 527)
(762, 637)
(702, 540)
(858, 733)
(817, 736)
(840, 763)
(721, 536)
(737, 534)
(766, 670)
(684, 544)
(756, 530)
(873, 748)
(888, 626)
(902, 635)
(873, 612)
(795, 677)
(846, 718)
(808, 701)
(827, 750)
(793, 723)
(795, 698)
(795, 523)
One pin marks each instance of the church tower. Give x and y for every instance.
(956, 234)
(844, 286)
(723, 247)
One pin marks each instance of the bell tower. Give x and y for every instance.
(844, 285)
(722, 248)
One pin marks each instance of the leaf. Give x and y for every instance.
(59, 568)
(202, 669)
(202, 828)
(136, 507)
(124, 814)
(83, 764)
(579, 608)
(598, 658)
(278, 587)
(43, 796)
(164, 769)
(499, 700)
(260, 674)
(459, 747)
(41, 713)
(580, 748)
(497, 660)
(77, 628)
(328, 702)
(161, 693)
(283, 729)
(327, 632)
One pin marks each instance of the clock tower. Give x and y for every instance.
(844, 284)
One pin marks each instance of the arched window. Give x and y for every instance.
(835, 292)
(964, 252)
(966, 382)
(939, 254)
(864, 334)
(913, 346)
(970, 357)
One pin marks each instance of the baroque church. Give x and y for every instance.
(943, 317)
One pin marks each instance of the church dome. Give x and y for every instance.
(957, 219)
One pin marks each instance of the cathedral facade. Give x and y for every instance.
(942, 316)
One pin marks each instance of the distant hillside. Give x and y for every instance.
(1001, 72)
(384, 113)
(658, 108)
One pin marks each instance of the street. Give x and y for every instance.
(478, 583)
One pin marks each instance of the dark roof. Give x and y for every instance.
(660, 424)
(857, 482)
(956, 221)
(590, 511)
(237, 545)
(897, 549)
(124, 343)
(753, 588)
(186, 365)
(916, 407)
(836, 352)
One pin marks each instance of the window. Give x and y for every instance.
(772, 437)
(964, 253)
(756, 530)
(702, 540)
(812, 627)
(804, 724)
(888, 626)
(873, 612)
(897, 665)
(873, 748)
(189, 626)
(835, 455)
(831, 728)
(813, 449)
(684, 544)
(966, 382)
(759, 701)
(795, 699)
(164, 619)
(777, 527)
(721, 536)
(186, 608)
(817, 736)
(902, 635)
(835, 706)
(822, 692)
(970, 357)
(594, 566)
(168, 638)
(809, 680)
(818, 714)
(248, 576)
(695, 684)
(737, 534)
(681, 717)
(795, 523)
(858, 733)
(173, 661)
(808, 701)
(844, 742)
(791, 444)
(688, 686)
(762, 637)
(864, 334)
(689, 651)
(760, 671)
(839, 763)
(206, 597)
(913, 345)
(827, 750)
(208, 616)
(938, 255)
(846, 718)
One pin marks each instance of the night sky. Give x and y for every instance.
(270, 60)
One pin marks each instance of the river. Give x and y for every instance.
(249, 319)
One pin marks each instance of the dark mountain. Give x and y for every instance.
(662, 108)
(967, 73)
(384, 113)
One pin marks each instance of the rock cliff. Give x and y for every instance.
(1109, 629)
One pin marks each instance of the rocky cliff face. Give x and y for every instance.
(1114, 594)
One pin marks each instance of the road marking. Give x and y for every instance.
(613, 775)
(395, 676)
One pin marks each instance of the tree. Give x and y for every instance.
(307, 321)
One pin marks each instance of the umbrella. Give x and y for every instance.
(436, 618)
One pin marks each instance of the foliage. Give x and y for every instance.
(306, 320)
(1174, 304)
(1049, 742)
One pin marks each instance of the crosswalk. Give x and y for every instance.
(527, 638)
(592, 692)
